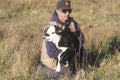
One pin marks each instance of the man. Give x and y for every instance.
(49, 53)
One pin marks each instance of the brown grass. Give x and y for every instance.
(21, 29)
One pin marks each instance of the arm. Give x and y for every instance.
(80, 37)
(52, 51)
(78, 32)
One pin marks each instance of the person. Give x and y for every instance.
(49, 52)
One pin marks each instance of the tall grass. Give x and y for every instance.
(21, 29)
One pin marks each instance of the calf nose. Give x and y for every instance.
(47, 35)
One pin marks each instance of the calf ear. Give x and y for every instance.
(58, 30)
(61, 30)
(63, 27)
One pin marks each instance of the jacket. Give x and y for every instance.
(52, 51)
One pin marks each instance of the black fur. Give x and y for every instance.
(70, 40)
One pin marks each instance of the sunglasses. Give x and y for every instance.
(67, 10)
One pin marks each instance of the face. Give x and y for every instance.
(52, 35)
(63, 15)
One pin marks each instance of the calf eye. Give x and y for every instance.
(53, 32)
(59, 31)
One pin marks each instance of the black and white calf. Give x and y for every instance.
(65, 40)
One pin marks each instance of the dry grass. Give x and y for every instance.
(21, 26)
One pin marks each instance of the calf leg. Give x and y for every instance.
(58, 68)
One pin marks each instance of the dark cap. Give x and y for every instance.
(63, 4)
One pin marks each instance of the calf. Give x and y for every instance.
(65, 40)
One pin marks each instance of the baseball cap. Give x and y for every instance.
(63, 4)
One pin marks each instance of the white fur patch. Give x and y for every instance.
(55, 38)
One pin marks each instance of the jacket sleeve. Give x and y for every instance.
(52, 51)
(81, 36)
(78, 32)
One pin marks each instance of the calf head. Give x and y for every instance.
(52, 33)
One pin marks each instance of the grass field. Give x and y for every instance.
(21, 29)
